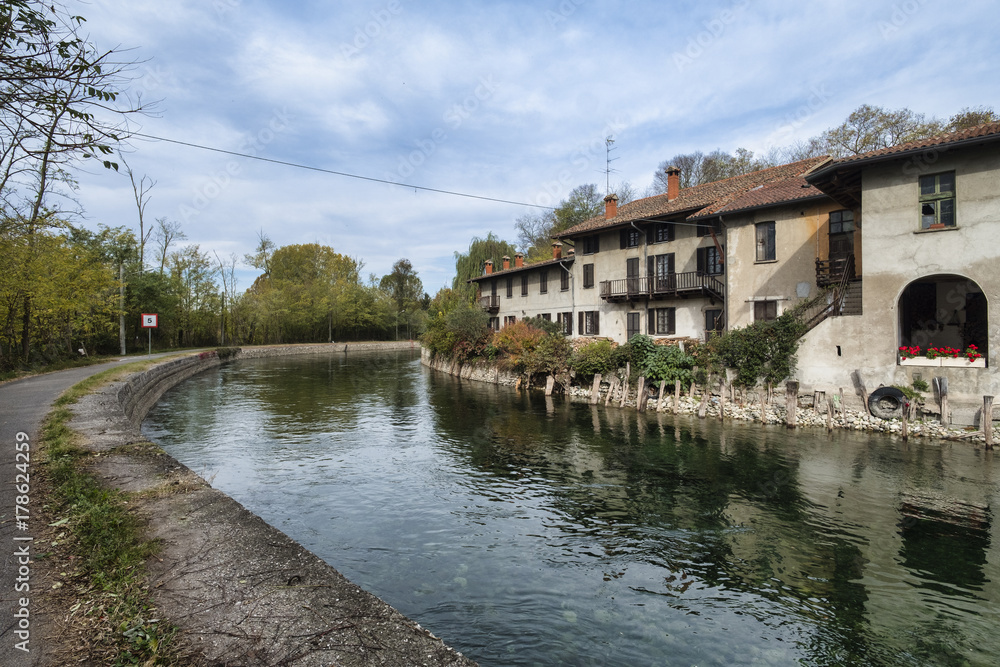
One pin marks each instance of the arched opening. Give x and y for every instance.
(944, 311)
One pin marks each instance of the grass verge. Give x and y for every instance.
(110, 604)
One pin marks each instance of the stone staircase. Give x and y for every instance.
(851, 304)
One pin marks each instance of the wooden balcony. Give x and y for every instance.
(490, 303)
(672, 286)
(832, 271)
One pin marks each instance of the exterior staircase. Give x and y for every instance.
(840, 298)
(852, 299)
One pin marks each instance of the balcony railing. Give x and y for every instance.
(675, 285)
(834, 271)
(490, 303)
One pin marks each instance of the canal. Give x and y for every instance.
(527, 530)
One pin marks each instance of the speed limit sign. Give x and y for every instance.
(149, 320)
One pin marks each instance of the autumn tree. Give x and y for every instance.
(469, 264)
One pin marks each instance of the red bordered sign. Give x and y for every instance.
(149, 320)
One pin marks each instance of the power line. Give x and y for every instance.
(339, 173)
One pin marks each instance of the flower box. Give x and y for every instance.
(943, 362)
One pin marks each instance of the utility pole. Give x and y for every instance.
(121, 300)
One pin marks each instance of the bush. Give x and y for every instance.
(595, 357)
(519, 342)
(667, 363)
(762, 351)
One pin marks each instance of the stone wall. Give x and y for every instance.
(480, 371)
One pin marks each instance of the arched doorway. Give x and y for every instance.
(944, 311)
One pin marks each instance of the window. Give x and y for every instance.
(509, 319)
(494, 324)
(543, 281)
(713, 320)
(765, 242)
(937, 200)
(591, 244)
(566, 320)
(661, 267)
(765, 311)
(661, 321)
(510, 287)
(588, 275)
(547, 317)
(629, 238)
(589, 323)
(709, 261)
(563, 279)
(706, 228)
(524, 285)
(841, 221)
(662, 232)
(631, 325)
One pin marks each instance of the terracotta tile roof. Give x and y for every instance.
(697, 200)
(780, 192)
(989, 131)
(519, 269)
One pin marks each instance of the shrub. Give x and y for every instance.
(595, 357)
(518, 341)
(761, 351)
(667, 363)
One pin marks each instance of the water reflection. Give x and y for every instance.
(532, 530)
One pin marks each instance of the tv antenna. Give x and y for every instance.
(608, 147)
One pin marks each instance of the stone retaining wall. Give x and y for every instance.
(479, 371)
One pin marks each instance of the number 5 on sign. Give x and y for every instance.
(149, 323)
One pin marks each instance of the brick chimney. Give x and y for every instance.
(673, 183)
(571, 252)
(489, 267)
(506, 262)
(518, 260)
(610, 206)
(557, 250)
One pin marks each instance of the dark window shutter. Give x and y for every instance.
(581, 329)
(623, 238)
(650, 234)
(650, 266)
(701, 260)
(670, 263)
(672, 231)
(568, 319)
(651, 321)
(597, 323)
(597, 243)
(672, 321)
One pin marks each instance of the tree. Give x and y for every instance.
(971, 117)
(168, 232)
(698, 168)
(870, 128)
(405, 290)
(470, 264)
(140, 189)
(535, 231)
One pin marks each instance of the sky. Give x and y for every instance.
(503, 100)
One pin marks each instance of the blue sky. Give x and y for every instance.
(510, 100)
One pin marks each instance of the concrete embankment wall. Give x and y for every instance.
(239, 589)
(479, 371)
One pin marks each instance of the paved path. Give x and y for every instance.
(23, 405)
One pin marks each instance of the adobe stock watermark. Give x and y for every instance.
(901, 15)
(453, 118)
(372, 30)
(223, 7)
(562, 13)
(581, 160)
(818, 98)
(714, 29)
(219, 181)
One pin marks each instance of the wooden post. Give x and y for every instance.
(722, 403)
(942, 383)
(791, 402)
(829, 416)
(819, 398)
(906, 419)
(641, 396)
(663, 396)
(677, 396)
(611, 390)
(628, 372)
(550, 383)
(840, 400)
(595, 390)
(763, 406)
(859, 384)
(703, 406)
(988, 420)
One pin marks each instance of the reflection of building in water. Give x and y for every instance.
(947, 541)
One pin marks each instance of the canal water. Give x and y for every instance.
(527, 530)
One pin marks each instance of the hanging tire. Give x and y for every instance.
(887, 403)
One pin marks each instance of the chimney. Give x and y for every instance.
(557, 250)
(489, 267)
(571, 252)
(506, 262)
(673, 183)
(518, 260)
(610, 206)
